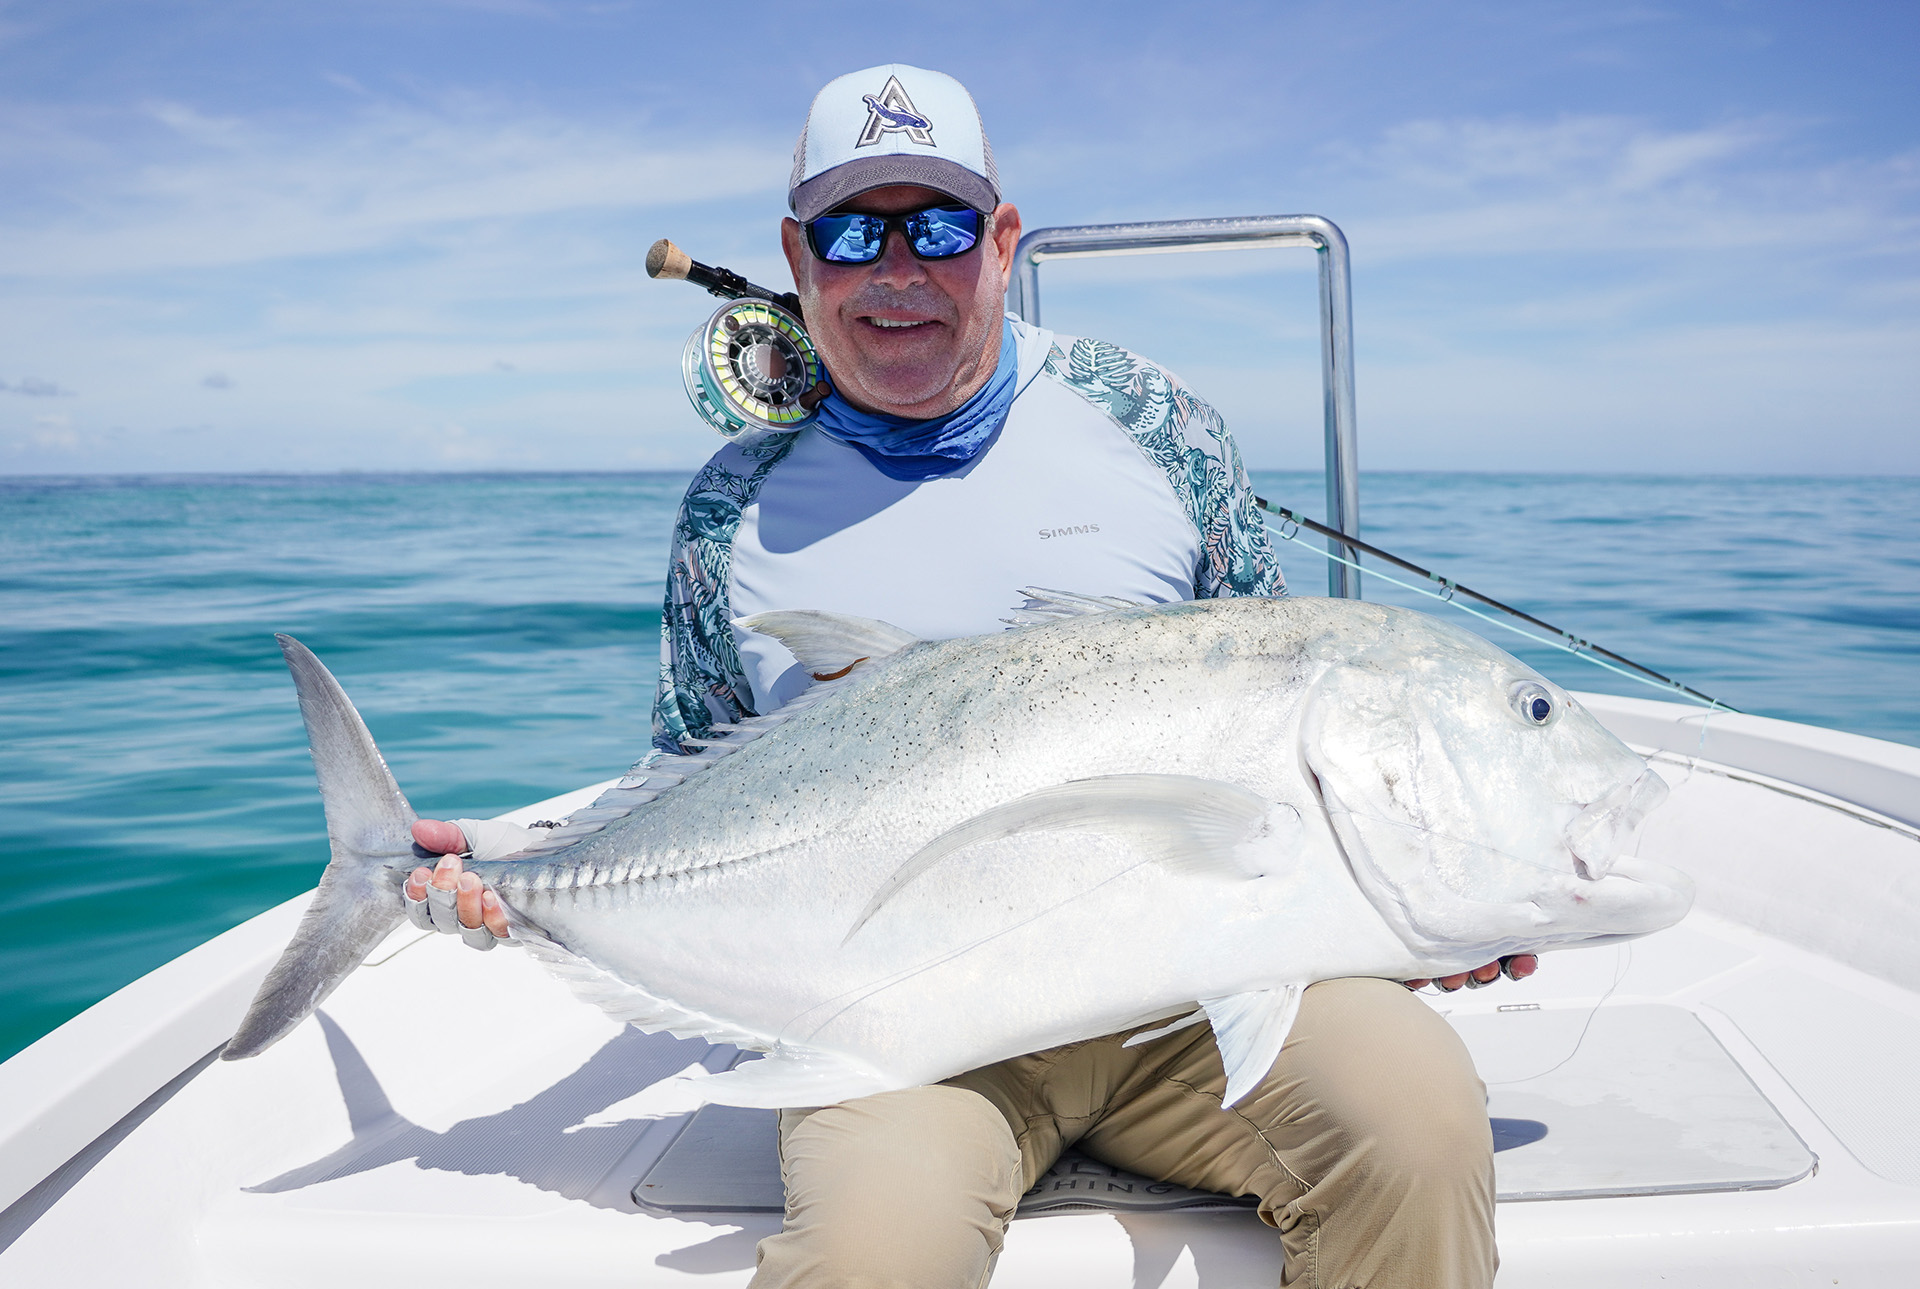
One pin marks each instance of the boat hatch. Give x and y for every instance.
(1623, 1100)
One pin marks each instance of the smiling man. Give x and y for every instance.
(961, 456)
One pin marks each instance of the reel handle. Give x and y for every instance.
(665, 260)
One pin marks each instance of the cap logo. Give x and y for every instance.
(892, 112)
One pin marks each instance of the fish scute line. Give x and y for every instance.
(611, 808)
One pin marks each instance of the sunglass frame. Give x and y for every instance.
(897, 223)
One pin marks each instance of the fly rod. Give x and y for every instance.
(665, 260)
(751, 368)
(1451, 588)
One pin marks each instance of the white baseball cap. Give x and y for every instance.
(892, 124)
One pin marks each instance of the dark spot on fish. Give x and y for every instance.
(835, 675)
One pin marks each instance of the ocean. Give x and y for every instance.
(500, 635)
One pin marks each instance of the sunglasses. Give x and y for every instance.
(936, 233)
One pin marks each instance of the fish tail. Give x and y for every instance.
(358, 904)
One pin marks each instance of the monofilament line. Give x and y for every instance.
(1663, 684)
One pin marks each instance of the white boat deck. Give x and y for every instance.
(1727, 1103)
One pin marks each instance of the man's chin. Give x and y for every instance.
(915, 390)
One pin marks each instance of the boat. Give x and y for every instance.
(1729, 1102)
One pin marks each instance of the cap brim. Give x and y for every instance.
(843, 183)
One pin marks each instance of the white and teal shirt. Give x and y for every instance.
(1108, 478)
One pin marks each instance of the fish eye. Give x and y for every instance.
(1533, 704)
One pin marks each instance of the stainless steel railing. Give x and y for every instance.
(1336, 325)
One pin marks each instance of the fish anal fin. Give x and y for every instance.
(1185, 823)
(829, 645)
(784, 1080)
(1193, 1017)
(1250, 1030)
(629, 1003)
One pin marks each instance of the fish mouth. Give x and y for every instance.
(1636, 898)
(1608, 828)
(1608, 887)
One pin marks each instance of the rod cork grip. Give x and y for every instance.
(665, 260)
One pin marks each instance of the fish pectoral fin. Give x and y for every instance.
(1180, 821)
(782, 1081)
(829, 645)
(1250, 1030)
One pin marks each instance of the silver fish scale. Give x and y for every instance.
(959, 705)
(974, 848)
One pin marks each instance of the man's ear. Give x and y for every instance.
(791, 243)
(1006, 239)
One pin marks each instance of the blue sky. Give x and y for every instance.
(392, 235)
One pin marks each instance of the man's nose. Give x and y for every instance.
(897, 267)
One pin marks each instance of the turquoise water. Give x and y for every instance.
(499, 633)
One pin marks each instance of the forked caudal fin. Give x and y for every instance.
(358, 903)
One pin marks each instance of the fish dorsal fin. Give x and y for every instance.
(658, 773)
(1185, 823)
(1250, 1029)
(829, 645)
(1043, 605)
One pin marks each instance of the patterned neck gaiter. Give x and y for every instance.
(915, 451)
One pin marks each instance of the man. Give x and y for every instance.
(962, 456)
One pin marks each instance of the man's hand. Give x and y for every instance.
(476, 905)
(438, 837)
(1517, 967)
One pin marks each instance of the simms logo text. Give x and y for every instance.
(1068, 531)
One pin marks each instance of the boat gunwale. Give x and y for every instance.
(75, 1085)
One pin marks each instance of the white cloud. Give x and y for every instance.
(34, 387)
(1587, 184)
(459, 285)
(356, 289)
(220, 190)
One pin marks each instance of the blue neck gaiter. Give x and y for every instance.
(915, 451)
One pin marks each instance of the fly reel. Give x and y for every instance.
(751, 368)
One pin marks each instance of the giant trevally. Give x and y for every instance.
(951, 852)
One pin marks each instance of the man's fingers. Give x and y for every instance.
(416, 889)
(483, 920)
(493, 913)
(439, 837)
(446, 874)
(468, 901)
(1515, 967)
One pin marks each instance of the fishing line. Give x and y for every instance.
(1425, 830)
(1621, 967)
(1579, 649)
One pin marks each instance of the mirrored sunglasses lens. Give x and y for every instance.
(943, 231)
(847, 239)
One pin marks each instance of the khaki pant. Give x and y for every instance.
(1367, 1145)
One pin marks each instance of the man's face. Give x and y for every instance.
(952, 310)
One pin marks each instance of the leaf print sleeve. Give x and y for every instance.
(1183, 435)
(702, 681)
